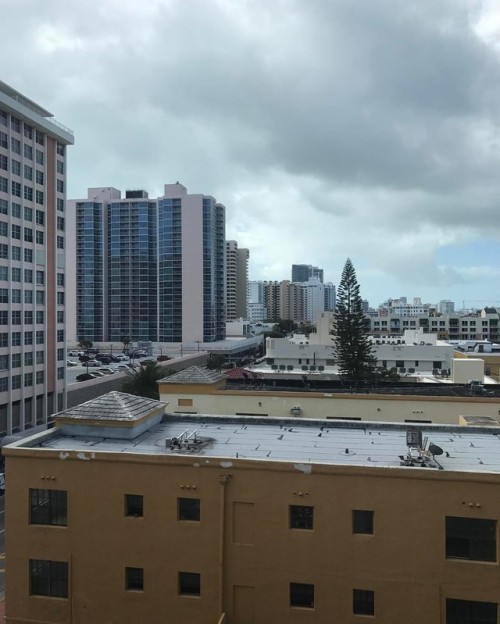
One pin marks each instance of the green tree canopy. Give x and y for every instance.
(143, 380)
(354, 350)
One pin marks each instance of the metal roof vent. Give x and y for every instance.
(418, 453)
(186, 442)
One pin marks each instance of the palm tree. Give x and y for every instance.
(143, 381)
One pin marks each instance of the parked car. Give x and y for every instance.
(121, 367)
(2, 483)
(149, 361)
(71, 363)
(163, 358)
(121, 356)
(85, 377)
(75, 353)
(93, 363)
(97, 373)
(106, 370)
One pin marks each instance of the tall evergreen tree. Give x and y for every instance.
(354, 351)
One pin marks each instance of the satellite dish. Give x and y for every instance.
(434, 449)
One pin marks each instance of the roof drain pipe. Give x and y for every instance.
(223, 479)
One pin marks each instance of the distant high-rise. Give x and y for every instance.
(32, 262)
(236, 281)
(150, 269)
(305, 272)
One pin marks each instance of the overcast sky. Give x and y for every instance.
(329, 129)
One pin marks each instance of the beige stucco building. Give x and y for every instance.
(122, 515)
(196, 390)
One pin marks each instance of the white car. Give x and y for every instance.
(71, 363)
(121, 356)
(106, 370)
(75, 353)
(90, 363)
(121, 367)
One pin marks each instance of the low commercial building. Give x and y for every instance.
(123, 514)
(197, 390)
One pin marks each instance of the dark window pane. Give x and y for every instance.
(470, 612)
(302, 595)
(189, 583)
(471, 538)
(48, 507)
(363, 602)
(134, 505)
(48, 578)
(362, 521)
(188, 509)
(134, 578)
(301, 517)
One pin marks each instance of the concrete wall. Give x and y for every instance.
(371, 407)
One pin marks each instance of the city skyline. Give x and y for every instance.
(376, 138)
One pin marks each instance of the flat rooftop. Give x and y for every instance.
(302, 442)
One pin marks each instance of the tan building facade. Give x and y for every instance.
(218, 520)
(197, 391)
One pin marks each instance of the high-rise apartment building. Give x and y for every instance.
(150, 269)
(32, 262)
(236, 280)
(305, 272)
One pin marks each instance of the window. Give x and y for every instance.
(15, 123)
(16, 360)
(39, 197)
(16, 317)
(28, 338)
(301, 517)
(3, 120)
(40, 357)
(4, 251)
(39, 157)
(363, 602)
(28, 131)
(60, 223)
(189, 584)
(134, 579)
(4, 162)
(4, 185)
(4, 339)
(48, 578)
(28, 380)
(28, 276)
(40, 217)
(60, 149)
(4, 206)
(60, 204)
(28, 296)
(28, 317)
(40, 138)
(48, 507)
(39, 237)
(40, 337)
(60, 186)
(60, 298)
(60, 279)
(16, 231)
(40, 317)
(4, 273)
(40, 278)
(16, 188)
(40, 377)
(134, 505)
(60, 372)
(39, 178)
(362, 521)
(28, 213)
(28, 172)
(470, 612)
(16, 167)
(16, 274)
(40, 297)
(60, 242)
(4, 229)
(16, 252)
(4, 362)
(60, 166)
(60, 316)
(15, 145)
(28, 235)
(28, 255)
(16, 210)
(302, 595)
(16, 340)
(471, 538)
(16, 382)
(4, 295)
(188, 509)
